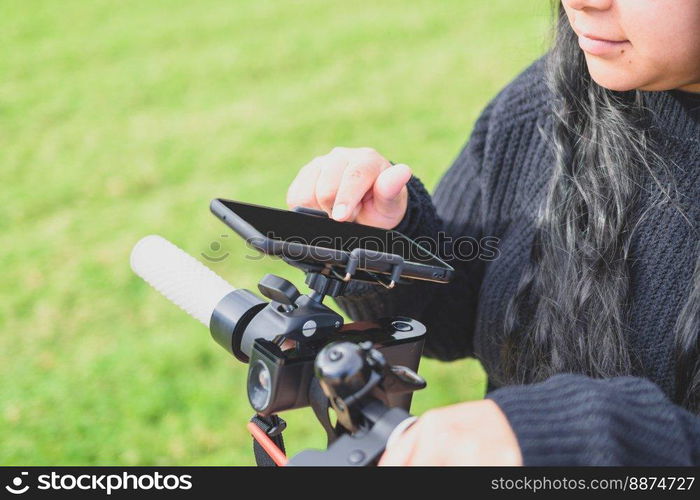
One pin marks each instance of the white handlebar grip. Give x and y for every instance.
(181, 278)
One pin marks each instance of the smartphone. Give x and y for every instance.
(310, 236)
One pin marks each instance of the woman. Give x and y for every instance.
(587, 170)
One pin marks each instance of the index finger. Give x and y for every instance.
(358, 178)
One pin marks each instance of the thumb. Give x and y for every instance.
(388, 188)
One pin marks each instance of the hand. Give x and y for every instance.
(353, 184)
(474, 433)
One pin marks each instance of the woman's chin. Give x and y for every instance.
(609, 76)
(614, 85)
(621, 77)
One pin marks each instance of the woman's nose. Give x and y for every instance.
(589, 4)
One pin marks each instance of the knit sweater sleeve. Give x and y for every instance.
(576, 420)
(454, 211)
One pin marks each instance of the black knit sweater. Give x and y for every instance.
(494, 189)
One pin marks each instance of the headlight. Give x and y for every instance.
(259, 386)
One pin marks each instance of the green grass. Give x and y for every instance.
(124, 118)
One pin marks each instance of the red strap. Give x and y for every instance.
(270, 447)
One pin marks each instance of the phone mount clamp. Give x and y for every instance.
(327, 283)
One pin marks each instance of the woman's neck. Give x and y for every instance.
(693, 87)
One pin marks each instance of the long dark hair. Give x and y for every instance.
(569, 311)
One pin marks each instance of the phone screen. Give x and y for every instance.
(285, 225)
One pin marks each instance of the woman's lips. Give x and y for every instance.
(600, 47)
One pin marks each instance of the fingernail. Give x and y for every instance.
(339, 211)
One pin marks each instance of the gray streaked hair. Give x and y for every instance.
(569, 310)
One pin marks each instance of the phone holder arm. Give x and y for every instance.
(360, 257)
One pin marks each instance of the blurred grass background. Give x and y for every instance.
(124, 118)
